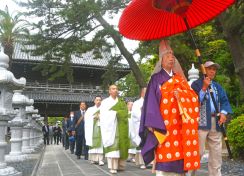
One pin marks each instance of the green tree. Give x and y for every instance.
(127, 84)
(54, 120)
(232, 26)
(213, 47)
(12, 29)
(75, 27)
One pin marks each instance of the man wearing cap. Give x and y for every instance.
(209, 129)
(168, 127)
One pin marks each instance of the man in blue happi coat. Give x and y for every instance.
(209, 125)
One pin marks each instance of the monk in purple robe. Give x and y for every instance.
(152, 120)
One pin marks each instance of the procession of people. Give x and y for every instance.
(166, 129)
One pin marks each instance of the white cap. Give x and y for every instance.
(210, 63)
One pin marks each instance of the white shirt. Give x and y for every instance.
(170, 74)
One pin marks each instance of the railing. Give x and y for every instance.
(55, 96)
(64, 87)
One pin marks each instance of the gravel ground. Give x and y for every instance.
(232, 167)
(229, 167)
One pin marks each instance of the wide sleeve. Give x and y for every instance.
(224, 102)
(88, 118)
(151, 111)
(136, 112)
(151, 117)
(196, 86)
(108, 123)
(76, 118)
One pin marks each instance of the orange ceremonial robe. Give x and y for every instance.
(181, 120)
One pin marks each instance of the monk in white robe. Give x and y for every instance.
(93, 132)
(136, 118)
(114, 128)
(132, 147)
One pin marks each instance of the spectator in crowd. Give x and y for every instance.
(45, 131)
(81, 148)
(71, 129)
(51, 133)
(57, 134)
(65, 136)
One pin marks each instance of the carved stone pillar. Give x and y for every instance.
(33, 131)
(7, 84)
(27, 130)
(20, 101)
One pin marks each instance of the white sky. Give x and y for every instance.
(131, 45)
(11, 6)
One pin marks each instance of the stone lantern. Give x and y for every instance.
(27, 128)
(19, 101)
(33, 144)
(193, 75)
(39, 135)
(8, 83)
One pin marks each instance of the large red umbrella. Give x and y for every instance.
(155, 19)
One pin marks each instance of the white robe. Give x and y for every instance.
(89, 122)
(136, 118)
(131, 134)
(108, 124)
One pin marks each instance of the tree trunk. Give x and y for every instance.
(235, 45)
(8, 50)
(128, 56)
(234, 41)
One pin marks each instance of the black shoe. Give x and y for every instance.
(78, 157)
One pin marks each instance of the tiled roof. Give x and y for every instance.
(67, 97)
(86, 59)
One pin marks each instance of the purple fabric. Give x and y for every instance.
(151, 117)
(173, 166)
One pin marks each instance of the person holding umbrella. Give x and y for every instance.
(209, 127)
(168, 127)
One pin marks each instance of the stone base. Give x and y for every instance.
(28, 151)
(25, 167)
(9, 171)
(38, 147)
(15, 158)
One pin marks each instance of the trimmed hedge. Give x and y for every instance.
(235, 132)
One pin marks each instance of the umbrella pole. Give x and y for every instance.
(197, 51)
(198, 54)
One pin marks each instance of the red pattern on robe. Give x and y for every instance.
(181, 140)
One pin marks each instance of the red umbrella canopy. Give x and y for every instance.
(155, 19)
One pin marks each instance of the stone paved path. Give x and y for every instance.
(59, 162)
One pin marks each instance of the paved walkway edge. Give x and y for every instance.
(34, 172)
